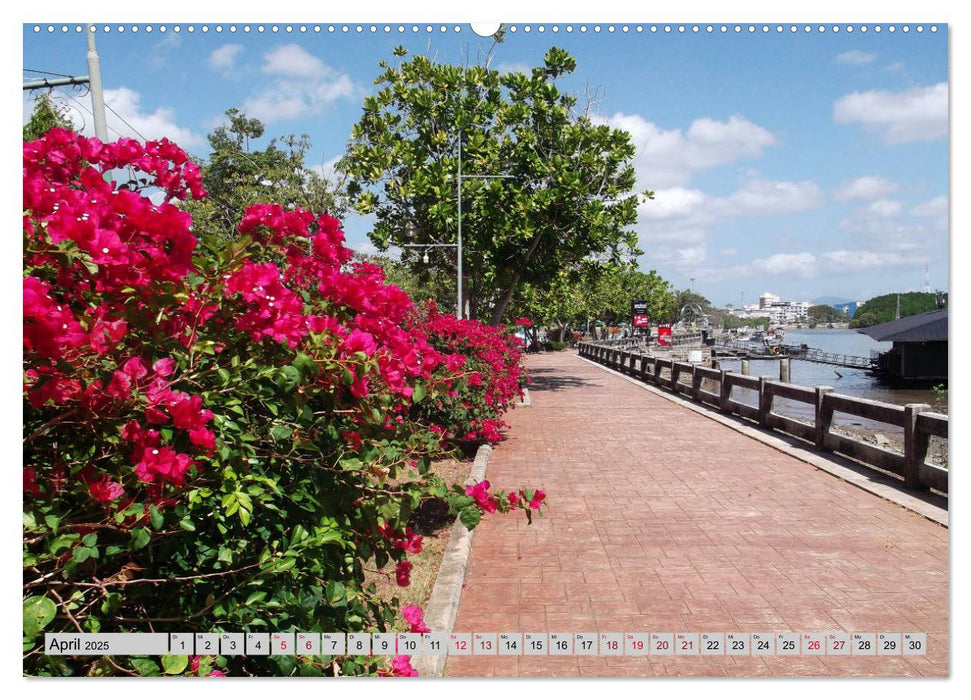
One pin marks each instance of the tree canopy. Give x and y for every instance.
(237, 176)
(46, 115)
(884, 308)
(566, 191)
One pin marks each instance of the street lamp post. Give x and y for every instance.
(459, 177)
(459, 310)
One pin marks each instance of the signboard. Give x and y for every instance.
(664, 335)
(639, 315)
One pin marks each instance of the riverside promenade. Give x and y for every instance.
(659, 519)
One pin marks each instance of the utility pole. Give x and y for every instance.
(97, 92)
(458, 250)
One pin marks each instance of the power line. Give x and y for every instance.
(81, 105)
(108, 107)
(46, 72)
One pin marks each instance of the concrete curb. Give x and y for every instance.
(527, 401)
(444, 603)
(929, 506)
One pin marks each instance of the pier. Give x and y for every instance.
(794, 352)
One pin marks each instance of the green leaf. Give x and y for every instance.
(281, 432)
(140, 538)
(155, 516)
(470, 516)
(419, 393)
(255, 597)
(39, 611)
(146, 667)
(174, 664)
(288, 378)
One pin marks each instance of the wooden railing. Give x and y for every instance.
(917, 421)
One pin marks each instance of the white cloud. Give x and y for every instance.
(767, 197)
(223, 59)
(291, 59)
(669, 157)
(884, 225)
(885, 208)
(514, 68)
(673, 203)
(936, 207)
(307, 87)
(327, 169)
(797, 264)
(150, 125)
(866, 187)
(855, 260)
(936, 210)
(856, 58)
(673, 228)
(918, 114)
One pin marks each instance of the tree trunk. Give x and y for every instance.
(500, 308)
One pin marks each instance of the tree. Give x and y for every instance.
(683, 298)
(823, 313)
(884, 308)
(567, 186)
(46, 115)
(237, 177)
(593, 292)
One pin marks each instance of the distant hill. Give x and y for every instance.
(884, 308)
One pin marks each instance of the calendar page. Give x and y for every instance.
(520, 349)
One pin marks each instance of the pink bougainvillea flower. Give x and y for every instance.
(164, 367)
(537, 499)
(400, 667)
(513, 498)
(524, 322)
(30, 481)
(163, 464)
(402, 573)
(414, 617)
(105, 490)
(480, 492)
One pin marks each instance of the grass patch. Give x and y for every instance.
(432, 522)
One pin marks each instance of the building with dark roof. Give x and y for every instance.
(919, 352)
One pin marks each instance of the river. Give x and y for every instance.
(853, 382)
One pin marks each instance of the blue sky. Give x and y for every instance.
(804, 164)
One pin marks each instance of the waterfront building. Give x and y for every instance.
(919, 352)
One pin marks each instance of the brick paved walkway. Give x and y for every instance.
(660, 519)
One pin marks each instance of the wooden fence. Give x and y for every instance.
(685, 379)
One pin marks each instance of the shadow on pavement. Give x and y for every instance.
(543, 379)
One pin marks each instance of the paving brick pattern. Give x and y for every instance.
(660, 519)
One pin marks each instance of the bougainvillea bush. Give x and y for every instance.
(218, 434)
(490, 377)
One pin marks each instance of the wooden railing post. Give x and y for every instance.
(724, 391)
(765, 403)
(696, 379)
(915, 446)
(824, 417)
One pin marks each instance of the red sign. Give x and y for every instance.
(641, 320)
(664, 335)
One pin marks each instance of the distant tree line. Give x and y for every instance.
(884, 308)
